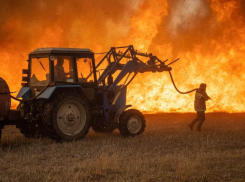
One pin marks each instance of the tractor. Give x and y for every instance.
(64, 93)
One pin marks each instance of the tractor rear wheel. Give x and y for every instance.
(67, 118)
(132, 123)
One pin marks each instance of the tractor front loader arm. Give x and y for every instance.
(126, 72)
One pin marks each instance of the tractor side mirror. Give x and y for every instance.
(26, 72)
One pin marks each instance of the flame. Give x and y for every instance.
(208, 36)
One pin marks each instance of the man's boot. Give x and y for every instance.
(190, 126)
(193, 122)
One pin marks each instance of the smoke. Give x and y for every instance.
(187, 25)
(30, 24)
(185, 14)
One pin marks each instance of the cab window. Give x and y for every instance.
(39, 71)
(85, 70)
(63, 69)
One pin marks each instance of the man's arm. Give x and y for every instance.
(206, 97)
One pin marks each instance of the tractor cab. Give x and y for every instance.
(58, 66)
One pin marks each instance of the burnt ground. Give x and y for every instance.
(167, 151)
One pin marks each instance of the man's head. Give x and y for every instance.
(60, 61)
(203, 86)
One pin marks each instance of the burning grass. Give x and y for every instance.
(167, 151)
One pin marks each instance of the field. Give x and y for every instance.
(167, 151)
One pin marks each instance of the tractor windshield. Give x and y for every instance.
(39, 71)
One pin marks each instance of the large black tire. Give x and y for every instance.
(132, 123)
(67, 117)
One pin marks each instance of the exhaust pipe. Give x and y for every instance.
(5, 100)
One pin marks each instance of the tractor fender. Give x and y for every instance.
(24, 93)
(120, 111)
(51, 90)
(47, 93)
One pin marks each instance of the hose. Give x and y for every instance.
(102, 88)
(6, 93)
(177, 88)
(31, 99)
(134, 77)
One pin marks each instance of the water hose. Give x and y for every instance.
(134, 77)
(31, 99)
(177, 88)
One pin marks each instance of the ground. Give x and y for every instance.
(167, 151)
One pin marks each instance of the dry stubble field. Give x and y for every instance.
(167, 151)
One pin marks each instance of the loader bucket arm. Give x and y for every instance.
(134, 65)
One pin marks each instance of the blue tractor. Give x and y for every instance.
(64, 93)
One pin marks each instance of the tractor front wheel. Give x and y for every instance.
(67, 118)
(132, 123)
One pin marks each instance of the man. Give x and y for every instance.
(200, 106)
(59, 72)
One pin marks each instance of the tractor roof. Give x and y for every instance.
(50, 50)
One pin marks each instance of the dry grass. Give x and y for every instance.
(167, 151)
